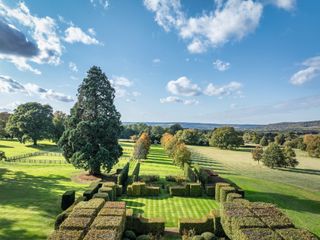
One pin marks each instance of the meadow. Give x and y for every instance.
(296, 191)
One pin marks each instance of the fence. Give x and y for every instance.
(39, 161)
(27, 155)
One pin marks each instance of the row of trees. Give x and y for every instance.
(176, 149)
(275, 156)
(142, 147)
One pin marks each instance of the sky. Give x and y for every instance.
(208, 61)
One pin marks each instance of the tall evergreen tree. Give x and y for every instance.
(90, 140)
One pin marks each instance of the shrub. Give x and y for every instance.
(135, 173)
(177, 191)
(130, 235)
(76, 223)
(123, 176)
(195, 189)
(150, 178)
(296, 234)
(95, 203)
(89, 213)
(171, 178)
(210, 190)
(112, 212)
(102, 195)
(217, 189)
(106, 234)
(231, 196)
(67, 199)
(152, 191)
(277, 221)
(93, 188)
(208, 236)
(113, 186)
(59, 219)
(198, 225)
(257, 233)
(189, 173)
(66, 234)
(197, 237)
(115, 205)
(217, 227)
(109, 191)
(144, 237)
(224, 192)
(108, 222)
(142, 225)
(119, 190)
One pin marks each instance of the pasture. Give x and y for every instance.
(296, 191)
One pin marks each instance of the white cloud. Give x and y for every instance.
(103, 3)
(221, 65)
(76, 35)
(156, 60)
(232, 87)
(92, 31)
(44, 32)
(73, 67)
(9, 85)
(122, 87)
(230, 20)
(311, 71)
(136, 94)
(173, 99)
(183, 87)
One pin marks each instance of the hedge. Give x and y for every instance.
(257, 233)
(135, 173)
(119, 190)
(142, 225)
(217, 189)
(112, 212)
(67, 199)
(123, 176)
(102, 195)
(231, 196)
(93, 188)
(152, 191)
(90, 213)
(109, 191)
(108, 222)
(195, 189)
(198, 225)
(106, 234)
(295, 234)
(224, 191)
(76, 223)
(210, 190)
(140, 189)
(178, 191)
(115, 205)
(189, 173)
(217, 227)
(66, 234)
(96, 203)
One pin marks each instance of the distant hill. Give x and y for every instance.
(310, 126)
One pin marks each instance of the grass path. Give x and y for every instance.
(297, 191)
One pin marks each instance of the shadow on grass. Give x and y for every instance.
(45, 147)
(5, 146)
(285, 201)
(301, 170)
(9, 231)
(158, 162)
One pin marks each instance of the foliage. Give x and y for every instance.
(2, 156)
(133, 129)
(59, 119)
(264, 141)
(181, 155)
(226, 138)
(313, 146)
(90, 140)
(257, 153)
(30, 121)
(280, 139)
(156, 133)
(174, 128)
(4, 117)
(192, 137)
(290, 157)
(251, 137)
(273, 156)
(141, 147)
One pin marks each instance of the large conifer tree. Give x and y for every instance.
(90, 140)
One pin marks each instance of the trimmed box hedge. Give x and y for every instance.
(119, 190)
(142, 225)
(199, 226)
(66, 234)
(123, 176)
(105, 234)
(217, 189)
(93, 188)
(68, 199)
(177, 191)
(135, 172)
(195, 189)
(152, 191)
(296, 234)
(112, 212)
(210, 190)
(217, 227)
(231, 196)
(108, 222)
(102, 195)
(76, 223)
(90, 213)
(96, 203)
(189, 174)
(110, 191)
(224, 191)
(257, 234)
(277, 221)
(121, 204)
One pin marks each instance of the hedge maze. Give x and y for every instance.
(200, 203)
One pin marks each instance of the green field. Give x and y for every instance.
(296, 191)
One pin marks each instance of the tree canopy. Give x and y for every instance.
(226, 138)
(90, 140)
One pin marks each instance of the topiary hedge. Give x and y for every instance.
(210, 190)
(142, 225)
(109, 191)
(67, 199)
(232, 196)
(217, 189)
(122, 178)
(189, 174)
(106, 234)
(66, 234)
(224, 191)
(178, 191)
(93, 188)
(199, 226)
(135, 173)
(195, 189)
(137, 189)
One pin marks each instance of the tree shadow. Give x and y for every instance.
(301, 170)
(5, 146)
(285, 201)
(45, 147)
(158, 162)
(9, 231)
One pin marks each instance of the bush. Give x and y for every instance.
(217, 189)
(152, 191)
(224, 192)
(89, 213)
(93, 188)
(142, 225)
(67, 199)
(76, 223)
(231, 196)
(135, 173)
(208, 236)
(119, 190)
(197, 237)
(198, 225)
(195, 189)
(130, 235)
(66, 234)
(150, 178)
(112, 212)
(115, 205)
(170, 178)
(210, 190)
(144, 237)
(177, 191)
(97, 234)
(123, 176)
(108, 222)
(189, 173)
(102, 195)
(294, 233)
(96, 203)
(109, 191)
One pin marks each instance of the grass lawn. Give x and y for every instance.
(171, 208)
(296, 191)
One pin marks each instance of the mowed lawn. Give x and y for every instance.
(296, 191)
(164, 206)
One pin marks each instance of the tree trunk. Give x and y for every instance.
(35, 142)
(95, 170)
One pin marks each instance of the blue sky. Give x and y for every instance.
(221, 61)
